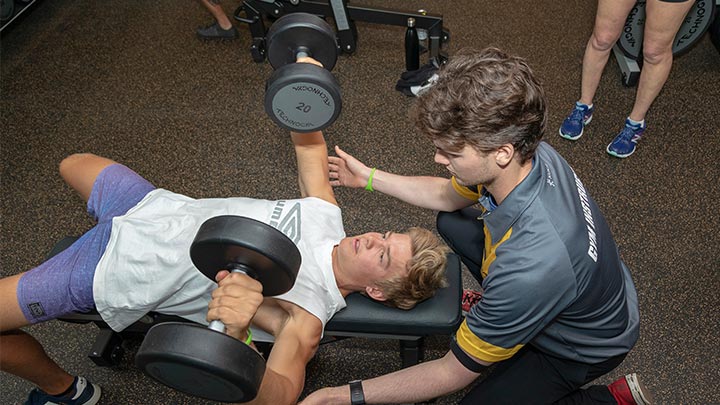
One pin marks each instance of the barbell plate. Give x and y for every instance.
(226, 241)
(303, 97)
(201, 362)
(295, 31)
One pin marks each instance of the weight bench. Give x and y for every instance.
(439, 315)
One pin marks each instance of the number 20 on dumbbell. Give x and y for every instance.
(302, 97)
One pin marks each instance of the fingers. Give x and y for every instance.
(340, 152)
(236, 300)
(221, 275)
(307, 59)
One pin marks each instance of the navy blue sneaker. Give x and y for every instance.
(626, 141)
(572, 127)
(84, 393)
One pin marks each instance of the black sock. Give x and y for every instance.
(69, 390)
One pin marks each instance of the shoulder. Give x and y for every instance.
(300, 321)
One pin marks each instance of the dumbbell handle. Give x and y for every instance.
(302, 53)
(217, 325)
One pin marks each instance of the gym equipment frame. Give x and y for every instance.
(253, 13)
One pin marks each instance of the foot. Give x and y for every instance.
(573, 126)
(470, 298)
(82, 392)
(626, 141)
(629, 390)
(216, 32)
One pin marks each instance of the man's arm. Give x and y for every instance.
(237, 301)
(434, 193)
(294, 346)
(312, 161)
(405, 386)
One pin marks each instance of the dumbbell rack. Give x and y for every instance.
(254, 12)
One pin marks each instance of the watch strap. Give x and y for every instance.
(357, 396)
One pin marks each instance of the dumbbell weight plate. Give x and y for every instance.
(201, 362)
(226, 241)
(303, 97)
(301, 31)
(7, 9)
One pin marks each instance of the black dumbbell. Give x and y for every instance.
(204, 361)
(302, 97)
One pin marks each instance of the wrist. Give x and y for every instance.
(357, 396)
(371, 176)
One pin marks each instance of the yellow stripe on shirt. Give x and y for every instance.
(489, 256)
(481, 349)
(464, 191)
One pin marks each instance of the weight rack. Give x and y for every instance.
(256, 12)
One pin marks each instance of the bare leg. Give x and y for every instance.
(662, 23)
(24, 357)
(609, 21)
(217, 12)
(21, 354)
(80, 171)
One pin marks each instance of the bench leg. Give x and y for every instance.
(411, 351)
(107, 351)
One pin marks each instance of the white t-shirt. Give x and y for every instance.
(147, 267)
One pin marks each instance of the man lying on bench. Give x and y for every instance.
(136, 260)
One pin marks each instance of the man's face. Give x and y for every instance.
(376, 256)
(469, 166)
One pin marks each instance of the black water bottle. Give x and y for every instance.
(412, 46)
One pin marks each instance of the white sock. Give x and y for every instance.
(636, 123)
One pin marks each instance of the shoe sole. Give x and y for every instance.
(618, 155)
(95, 398)
(637, 391)
(209, 39)
(575, 138)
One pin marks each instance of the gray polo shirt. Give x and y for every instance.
(552, 274)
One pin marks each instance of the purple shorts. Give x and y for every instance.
(64, 283)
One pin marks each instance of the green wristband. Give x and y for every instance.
(368, 187)
(249, 338)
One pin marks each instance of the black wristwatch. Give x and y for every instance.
(357, 397)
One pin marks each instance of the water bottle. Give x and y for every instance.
(412, 46)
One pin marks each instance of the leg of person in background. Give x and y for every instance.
(662, 22)
(609, 21)
(222, 28)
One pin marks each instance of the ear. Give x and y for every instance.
(375, 293)
(504, 154)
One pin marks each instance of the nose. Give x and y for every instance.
(373, 239)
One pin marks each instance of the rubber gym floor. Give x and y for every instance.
(130, 81)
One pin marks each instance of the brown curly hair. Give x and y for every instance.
(484, 99)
